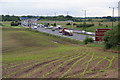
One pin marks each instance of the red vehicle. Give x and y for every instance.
(66, 31)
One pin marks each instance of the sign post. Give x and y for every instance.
(99, 34)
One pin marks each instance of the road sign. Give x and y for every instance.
(99, 34)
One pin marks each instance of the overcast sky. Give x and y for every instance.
(60, 7)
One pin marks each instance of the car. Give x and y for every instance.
(58, 27)
(35, 27)
(49, 27)
(60, 31)
(45, 27)
(53, 29)
(83, 31)
(46, 24)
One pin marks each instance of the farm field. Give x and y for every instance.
(89, 29)
(28, 54)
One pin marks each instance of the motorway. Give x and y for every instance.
(56, 32)
(75, 36)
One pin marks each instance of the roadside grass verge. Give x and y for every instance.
(60, 37)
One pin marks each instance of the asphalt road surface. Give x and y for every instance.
(75, 36)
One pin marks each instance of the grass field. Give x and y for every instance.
(28, 54)
(90, 29)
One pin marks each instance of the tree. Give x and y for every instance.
(68, 16)
(89, 20)
(61, 16)
(10, 18)
(112, 37)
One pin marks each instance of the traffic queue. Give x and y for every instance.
(59, 28)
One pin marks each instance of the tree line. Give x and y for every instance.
(58, 18)
(10, 18)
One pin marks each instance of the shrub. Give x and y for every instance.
(54, 24)
(88, 40)
(111, 38)
(68, 24)
(14, 23)
(100, 24)
(74, 24)
(1, 24)
(85, 25)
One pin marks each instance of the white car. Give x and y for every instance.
(90, 33)
(50, 27)
(35, 27)
(83, 31)
(58, 27)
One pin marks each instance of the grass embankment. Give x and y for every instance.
(25, 53)
(27, 43)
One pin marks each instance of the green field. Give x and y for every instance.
(89, 29)
(30, 54)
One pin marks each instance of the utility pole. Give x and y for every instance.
(55, 18)
(67, 13)
(113, 10)
(85, 11)
(112, 15)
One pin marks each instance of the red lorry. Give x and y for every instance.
(66, 31)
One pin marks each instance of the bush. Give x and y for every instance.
(54, 24)
(112, 37)
(85, 25)
(88, 40)
(100, 24)
(14, 23)
(1, 24)
(68, 24)
(74, 24)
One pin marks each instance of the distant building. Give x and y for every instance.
(23, 18)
